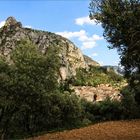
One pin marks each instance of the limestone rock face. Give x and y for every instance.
(90, 62)
(71, 57)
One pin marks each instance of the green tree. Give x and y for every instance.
(30, 97)
(121, 23)
(24, 82)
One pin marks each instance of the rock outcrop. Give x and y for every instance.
(71, 56)
(90, 62)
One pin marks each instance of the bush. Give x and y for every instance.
(87, 108)
(101, 111)
(110, 110)
(64, 108)
(130, 107)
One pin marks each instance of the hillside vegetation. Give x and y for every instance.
(96, 75)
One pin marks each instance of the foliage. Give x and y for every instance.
(121, 23)
(135, 86)
(96, 76)
(30, 99)
(111, 110)
(101, 111)
(38, 69)
(63, 110)
(130, 106)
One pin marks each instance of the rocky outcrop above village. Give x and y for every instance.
(70, 56)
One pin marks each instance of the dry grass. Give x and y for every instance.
(114, 130)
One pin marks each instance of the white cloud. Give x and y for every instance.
(94, 37)
(87, 41)
(101, 63)
(2, 23)
(85, 20)
(94, 54)
(88, 45)
(28, 26)
(72, 34)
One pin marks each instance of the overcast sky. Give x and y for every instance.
(68, 18)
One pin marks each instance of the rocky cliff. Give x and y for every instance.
(71, 57)
(90, 62)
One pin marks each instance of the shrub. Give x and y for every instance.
(130, 107)
(101, 111)
(66, 107)
(110, 110)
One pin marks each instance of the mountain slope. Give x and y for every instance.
(71, 57)
(90, 62)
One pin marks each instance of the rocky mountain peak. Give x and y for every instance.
(11, 21)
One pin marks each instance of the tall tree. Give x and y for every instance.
(121, 23)
(30, 97)
(24, 83)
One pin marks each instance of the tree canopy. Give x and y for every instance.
(121, 23)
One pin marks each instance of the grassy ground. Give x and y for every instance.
(114, 130)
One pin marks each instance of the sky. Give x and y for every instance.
(68, 18)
